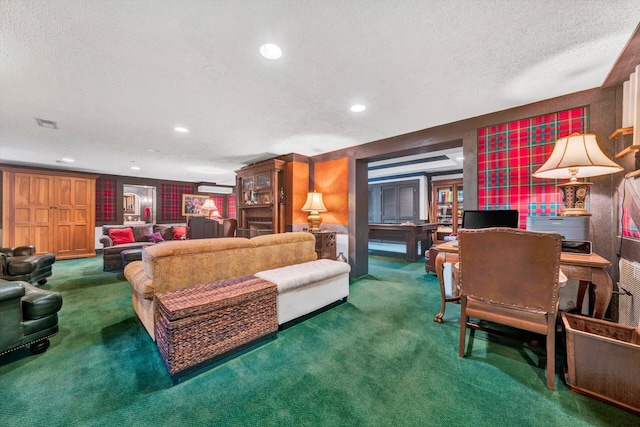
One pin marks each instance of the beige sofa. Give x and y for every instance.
(180, 264)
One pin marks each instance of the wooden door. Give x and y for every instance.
(28, 207)
(73, 216)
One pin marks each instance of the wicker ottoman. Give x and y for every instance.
(202, 324)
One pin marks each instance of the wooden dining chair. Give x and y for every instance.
(510, 277)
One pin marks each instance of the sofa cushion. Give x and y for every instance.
(140, 232)
(166, 231)
(300, 275)
(121, 235)
(154, 237)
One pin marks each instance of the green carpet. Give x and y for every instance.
(377, 360)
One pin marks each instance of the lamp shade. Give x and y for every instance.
(209, 205)
(314, 203)
(576, 156)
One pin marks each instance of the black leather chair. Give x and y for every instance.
(22, 263)
(28, 316)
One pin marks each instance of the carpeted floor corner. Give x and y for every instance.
(377, 360)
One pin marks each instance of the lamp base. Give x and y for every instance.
(574, 196)
(314, 219)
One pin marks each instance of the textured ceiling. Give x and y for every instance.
(117, 76)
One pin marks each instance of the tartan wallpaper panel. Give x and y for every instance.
(171, 201)
(106, 200)
(509, 153)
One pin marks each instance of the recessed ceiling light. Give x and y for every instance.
(181, 129)
(135, 168)
(358, 108)
(270, 51)
(67, 160)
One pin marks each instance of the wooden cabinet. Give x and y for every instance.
(53, 211)
(447, 207)
(325, 244)
(261, 198)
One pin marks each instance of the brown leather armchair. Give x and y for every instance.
(510, 277)
(28, 316)
(22, 263)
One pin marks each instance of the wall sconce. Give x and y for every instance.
(576, 156)
(314, 206)
(211, 209)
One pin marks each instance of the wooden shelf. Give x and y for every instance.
(629, 149)
(621, 132)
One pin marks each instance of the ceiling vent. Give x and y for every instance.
(50, 124)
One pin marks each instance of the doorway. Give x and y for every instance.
(139, 204)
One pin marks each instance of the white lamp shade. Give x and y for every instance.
(579, 152)
(209, 205)
(314, 203)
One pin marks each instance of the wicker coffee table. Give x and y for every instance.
(205, 323)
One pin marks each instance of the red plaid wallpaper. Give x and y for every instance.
(171, 201)
(231, 213)
(626, 202)
(106, 200)
(509, 153)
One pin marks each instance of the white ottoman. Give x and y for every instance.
(307, 287)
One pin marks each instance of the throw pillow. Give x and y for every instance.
(121, 236)
(179, 231)
(166, 231)
(154, 237)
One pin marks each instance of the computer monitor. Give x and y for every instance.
(486, 219)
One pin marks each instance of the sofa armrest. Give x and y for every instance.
(141, 284)
(106, 241)
(24, 250)
(11, 290)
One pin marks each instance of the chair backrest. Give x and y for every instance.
(229, 227)
(512, 267)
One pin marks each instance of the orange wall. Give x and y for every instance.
(331, 178)
(297, 174)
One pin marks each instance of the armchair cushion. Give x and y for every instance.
(121, 235)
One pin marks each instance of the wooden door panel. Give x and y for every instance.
(22, 236)
(63, 191)
(63, 239)
(42, 216)
(22, 216)
(80, 238)
(63, 215)
(41, 191)
(42, 239)
(81, 216)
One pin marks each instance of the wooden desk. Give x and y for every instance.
(411, 234)
(585, 268)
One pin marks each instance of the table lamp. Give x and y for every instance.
(211, 209)
(576, 156)
(314, 206)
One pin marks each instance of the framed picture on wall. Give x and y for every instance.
(192, 204)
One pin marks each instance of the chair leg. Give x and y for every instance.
(463, 325)
(551, 353)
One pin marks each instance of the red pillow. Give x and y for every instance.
(121, 235)
(179, 231)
